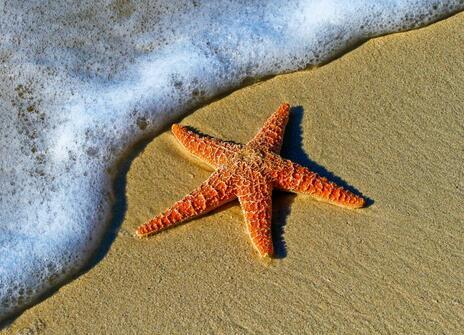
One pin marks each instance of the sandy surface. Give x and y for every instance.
(386, 118)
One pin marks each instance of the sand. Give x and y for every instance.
(387, 119)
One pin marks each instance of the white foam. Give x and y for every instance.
(80, 80)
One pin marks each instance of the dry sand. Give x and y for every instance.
(387, 118)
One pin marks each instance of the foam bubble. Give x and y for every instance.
(81, 81)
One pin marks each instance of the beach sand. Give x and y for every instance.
(387, 119)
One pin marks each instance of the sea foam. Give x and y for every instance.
(82, 81)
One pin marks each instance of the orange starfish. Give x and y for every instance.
(248, 172)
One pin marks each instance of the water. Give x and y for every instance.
(81, 81)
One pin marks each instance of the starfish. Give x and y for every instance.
(248, 172)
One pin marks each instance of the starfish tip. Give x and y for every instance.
(360, 202)
(284, 108)
(175, 127)
(141, 232)
(266, 259)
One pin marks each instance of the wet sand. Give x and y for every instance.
(386, 119)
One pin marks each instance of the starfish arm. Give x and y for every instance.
(290, 176)
(215, 191)
(214, 151)
(271, 134)
(255, 196)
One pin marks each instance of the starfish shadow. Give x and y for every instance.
(294, 151)
(281, 208)
(282, 201)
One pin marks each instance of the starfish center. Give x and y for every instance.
(250, 155)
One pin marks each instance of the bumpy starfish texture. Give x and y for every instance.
(248, 172)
